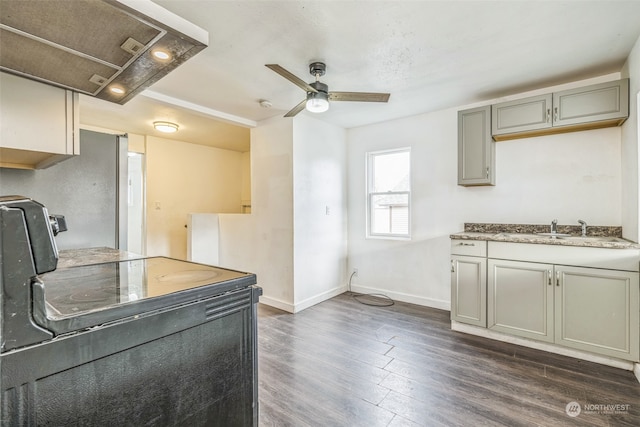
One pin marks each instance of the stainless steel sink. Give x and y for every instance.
(553, 234)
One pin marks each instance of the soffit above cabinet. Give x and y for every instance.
(91, 46)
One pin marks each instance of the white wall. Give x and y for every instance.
(262, 242)
(297, 251)
(320, 210)
(630, 141)
(569, 177)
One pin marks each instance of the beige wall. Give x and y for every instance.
(185, 178)
(246, 182)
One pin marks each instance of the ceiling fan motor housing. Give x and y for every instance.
(320, 87)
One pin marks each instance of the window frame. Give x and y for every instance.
(370, 194)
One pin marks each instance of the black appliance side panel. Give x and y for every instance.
(199, 376)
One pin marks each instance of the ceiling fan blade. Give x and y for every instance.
(295, 110)
(292, 78)
(359, 96)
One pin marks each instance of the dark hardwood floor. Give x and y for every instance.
(341, 363)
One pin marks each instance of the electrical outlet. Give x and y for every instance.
(355, 272)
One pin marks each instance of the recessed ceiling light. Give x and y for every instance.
(162, 55)
(166, 127)
(117, 89)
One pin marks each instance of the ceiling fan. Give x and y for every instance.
(318, 95)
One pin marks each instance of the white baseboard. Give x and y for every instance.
(297, 307)
(319, 298)
(276, 303)
(400, 296)
(636, 370)
(551, 348)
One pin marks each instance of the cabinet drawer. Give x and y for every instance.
(469, 247)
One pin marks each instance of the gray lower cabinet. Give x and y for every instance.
(469, 282)
(468, 290)
(476, 151)
(589, 107)
(597, 310)
(520, 299)
(589, 309)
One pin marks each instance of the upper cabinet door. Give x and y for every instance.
(605, 101)
(521, 115)
(40, 123)
(476, 152)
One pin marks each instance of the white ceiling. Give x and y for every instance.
(429, 55)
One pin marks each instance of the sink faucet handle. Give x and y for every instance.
(554, 226)
(584, 227)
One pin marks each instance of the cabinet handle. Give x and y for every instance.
(466, 244)
(549, 276)
(555, 114)
(557, 278)
(453, 270)
(548, 114)
(487, 172)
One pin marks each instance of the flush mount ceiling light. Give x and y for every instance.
(166, 127)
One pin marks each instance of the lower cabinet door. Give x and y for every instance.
(469, 290)
(520, 299)
(597, 310)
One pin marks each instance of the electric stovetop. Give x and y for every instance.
(74, 298)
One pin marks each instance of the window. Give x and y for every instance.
(389, 193)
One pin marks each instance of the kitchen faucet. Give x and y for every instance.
(584, 227)
(554, 226)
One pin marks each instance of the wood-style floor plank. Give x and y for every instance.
(341, 363)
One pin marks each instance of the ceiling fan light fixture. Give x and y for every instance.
(317, 102)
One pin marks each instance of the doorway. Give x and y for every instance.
(136, 202)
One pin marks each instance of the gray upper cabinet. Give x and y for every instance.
(590, 107)
(521, 115)
(605, 101)
(40, 123)
(476, 151)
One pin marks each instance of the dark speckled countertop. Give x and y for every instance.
(76, 257)
(597, 236)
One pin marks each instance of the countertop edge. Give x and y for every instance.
(500, 237)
